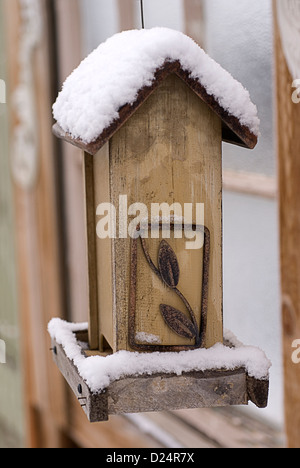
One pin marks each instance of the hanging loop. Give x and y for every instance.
(142, 13)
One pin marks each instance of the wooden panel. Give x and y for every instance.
(289, 199)
(148, 317)
(170, 151)
(192, 390)
(91, 250)
(103, 255)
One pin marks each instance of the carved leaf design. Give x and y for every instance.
(168, 265)
(178, 322)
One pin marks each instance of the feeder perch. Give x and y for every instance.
(225, 375)
(150, 109)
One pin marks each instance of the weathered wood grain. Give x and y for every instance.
(288, 124)
(103, 256)
(169, 151)
(11, 397)
(37, 241)
(90, 209)
(162, 392)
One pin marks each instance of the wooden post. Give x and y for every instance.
(126, 14)
(289, 199)
(91, 243)
(194, 20)
(37, 239)
(68, 24)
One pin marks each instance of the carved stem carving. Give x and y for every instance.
(168, 272)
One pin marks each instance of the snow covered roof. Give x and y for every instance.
(115, 80)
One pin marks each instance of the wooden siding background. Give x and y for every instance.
(288, 121)
(11, 411)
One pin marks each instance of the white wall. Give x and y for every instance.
(239, 35)
(100, 18)
(100, 21)
(167, 13)
(252, 282)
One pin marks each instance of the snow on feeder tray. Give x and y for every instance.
(150, 109)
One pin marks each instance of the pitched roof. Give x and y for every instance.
(117, 78)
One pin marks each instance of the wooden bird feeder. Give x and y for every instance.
(151, 133)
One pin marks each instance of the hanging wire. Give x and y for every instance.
(142, 14)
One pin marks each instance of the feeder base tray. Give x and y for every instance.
(161, 392)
